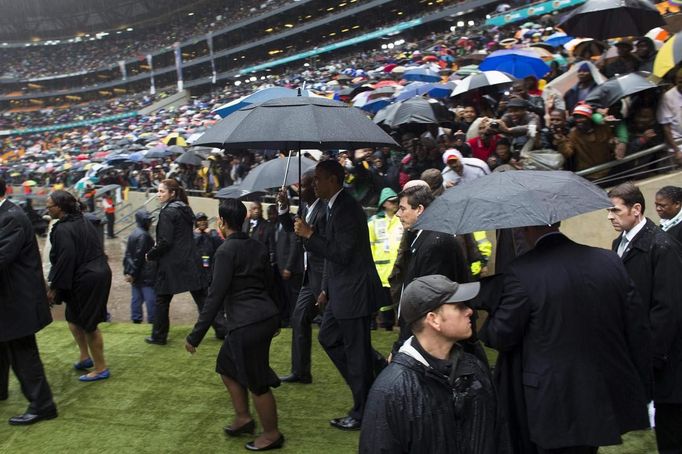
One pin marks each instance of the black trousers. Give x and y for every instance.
(25, 360)
(292, 287)
(162, 322)
(111, 220)
(570, 450)
(348, 344)
(668, 428)
(302, 333)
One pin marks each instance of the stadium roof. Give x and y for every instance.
(30, 20)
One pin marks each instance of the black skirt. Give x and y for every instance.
(245, 356)
(86, 303)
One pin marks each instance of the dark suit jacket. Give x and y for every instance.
(436, 253)
(264, 232)
(288, 250)
(676, 232)
(572, 321)
(352, 283)
(653, 260)
(23, 300)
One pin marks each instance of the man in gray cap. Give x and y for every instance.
(432, 381)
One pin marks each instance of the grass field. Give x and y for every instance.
(162, 400)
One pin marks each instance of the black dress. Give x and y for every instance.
(242, 283)
(80, 272)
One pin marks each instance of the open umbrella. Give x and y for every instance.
(104, 189)
(604, 19)
(557, 39)
(159, 152)
(512, 199)
(421, 75)
(519, 63)
(442, 90)
(669, 55)
(235, 192)
(29, 183)
(258, 96)
(271, 174)
(189, 158)
(619, 87)
(174, 138)
(411, 90)
(482, 80)
(416, 110)
(176, 149)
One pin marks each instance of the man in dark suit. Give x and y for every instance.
(574, 369)
(654, 262)
(428, 252)
(352, 286)
(289, 262)
(259, 229)
(314, 212)
(24, 311)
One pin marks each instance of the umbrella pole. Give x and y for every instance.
(286, 171)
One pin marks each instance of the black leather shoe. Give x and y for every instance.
(346, 423)
(293, 378)
(151, 340)
(30, 418)
(248, 428)
(277, 444)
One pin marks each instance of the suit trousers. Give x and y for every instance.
(4, 370)
(162, 323)
(25, 360)
(668, 428)
(570, 450)
(292, 287)
(301, 333)
(348, 344)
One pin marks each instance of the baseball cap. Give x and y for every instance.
(583, 109)
(428, 293)
(451, 154)
(200, 216)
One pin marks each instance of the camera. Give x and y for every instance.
(494, 125)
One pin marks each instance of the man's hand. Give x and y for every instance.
(322, 300)
(51, 296)
(286, 275)
(190, 348)
(128, 278)
(648, 135)
(302, 229)
(283, 200)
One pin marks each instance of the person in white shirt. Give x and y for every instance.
(670, 117)
(459, 169)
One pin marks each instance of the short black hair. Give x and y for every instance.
(630, 194)
(233, 213)
(672, 193)
(66, 202)
(333, 168)
(3, 187)
(417, 195)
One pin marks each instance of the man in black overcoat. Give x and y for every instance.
(23, 312)
(574, 365)
(352, 286)
(653, 259)
(314, 212)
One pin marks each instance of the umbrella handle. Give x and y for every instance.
(286, 171)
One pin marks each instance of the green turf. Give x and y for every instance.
(162, 400)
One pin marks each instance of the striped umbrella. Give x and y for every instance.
(669, 55)
(482, 80)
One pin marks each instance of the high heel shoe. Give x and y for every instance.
(248, 428)
(251, 446)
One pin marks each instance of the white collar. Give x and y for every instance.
(630, 235)
(2, 200)
(330, 204)
(409, 350)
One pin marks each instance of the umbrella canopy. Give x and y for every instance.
(176, 149)
(174, 138)
(619, 87)
(189, 158)
(512, 199)
(104, 189)
(482, 80)
(422, 75)
(466, 71)
(443, 90)
(235, 192)
(604, 19)
(271, 174)
(158, 153)
(416, 110)
(557, 39)
(411, 90)
(375, 105)
(668, 56)
(29, 183)
(294, 123)
(262, 95)
(519, 63)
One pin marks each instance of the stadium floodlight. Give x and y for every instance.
(384, 46)
(237, 83)
(470, 23)
(460, 23)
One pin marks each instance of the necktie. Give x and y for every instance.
(623, 245)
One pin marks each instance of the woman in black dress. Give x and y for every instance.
(80, 277)
(242, 283)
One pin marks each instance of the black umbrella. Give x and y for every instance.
(275, 173)
(104, 189)
(512, 199)
(176, 149)
(482, 80)
(604, 19)
(414, 110)
(189, 158)
(236, 192)
(619, 87)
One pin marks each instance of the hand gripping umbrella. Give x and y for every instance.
(295, 123)
(512, 199)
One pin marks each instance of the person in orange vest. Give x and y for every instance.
(109, 208)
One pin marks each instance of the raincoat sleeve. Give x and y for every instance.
(63, 258)
(385, 427)
(164, 234)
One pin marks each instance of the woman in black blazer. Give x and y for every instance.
(242, 283)
(669, 208)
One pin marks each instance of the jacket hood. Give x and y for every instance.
(184, 210)
(143, 218)
(386, 193)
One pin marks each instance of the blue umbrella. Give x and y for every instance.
(441, 90)
(412, 90)
(117, 158)
(159, 152)
(558, 39)
(422, 75)
(136, 157)
(258, 96)
(375, 105)
(518, 63)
